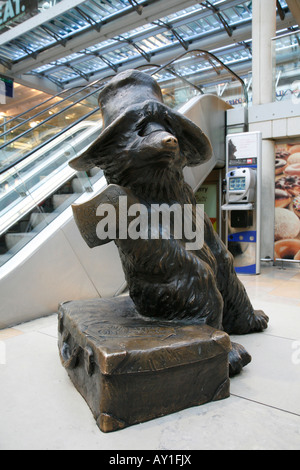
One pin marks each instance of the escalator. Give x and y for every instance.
(42, 255)
(35, 179)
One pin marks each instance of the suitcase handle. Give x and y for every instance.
(68, 357)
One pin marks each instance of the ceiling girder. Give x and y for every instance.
(141, 51)
(96, 25)
(216, 11)
(53, 34)
(104, 59)
(171, 28)
(138, 8)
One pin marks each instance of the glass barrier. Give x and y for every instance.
(286, 77)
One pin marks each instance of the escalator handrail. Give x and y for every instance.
(45, 121)
(44, 110)
(183, 79)
(65, 129)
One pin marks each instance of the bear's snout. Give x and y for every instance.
(157, 147)
(162, 141)
(170, 141)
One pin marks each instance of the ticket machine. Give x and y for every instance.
(242, 190)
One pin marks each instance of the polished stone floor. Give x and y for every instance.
(40, 409)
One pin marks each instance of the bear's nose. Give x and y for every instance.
(170, 141)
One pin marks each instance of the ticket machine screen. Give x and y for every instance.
(237, 184)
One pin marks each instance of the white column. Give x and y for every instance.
(263, 30)
(267, 199)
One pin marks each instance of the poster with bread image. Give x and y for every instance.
(287, 202)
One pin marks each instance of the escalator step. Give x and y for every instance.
(59, 199)
(11, 239)
(4, 258)
(94, 171)
(77, 186)
(37, 218)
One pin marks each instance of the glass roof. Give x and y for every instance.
(182, 28)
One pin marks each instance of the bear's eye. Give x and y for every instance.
(141, 130)
(146, 128)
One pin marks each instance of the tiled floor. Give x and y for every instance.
(40, 409)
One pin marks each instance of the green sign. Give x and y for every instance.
(207, 195)
(6, 86)
(12, 10)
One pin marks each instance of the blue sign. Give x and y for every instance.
(246, 269)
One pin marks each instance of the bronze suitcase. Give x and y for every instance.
(130, 369)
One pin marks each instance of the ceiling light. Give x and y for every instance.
(33, 124)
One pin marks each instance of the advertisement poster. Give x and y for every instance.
(287, 201)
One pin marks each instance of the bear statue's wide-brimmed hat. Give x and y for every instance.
(130, 99)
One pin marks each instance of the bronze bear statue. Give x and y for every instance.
(142, 151)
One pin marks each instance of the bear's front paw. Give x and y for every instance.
(261, 320)
(238, 358)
